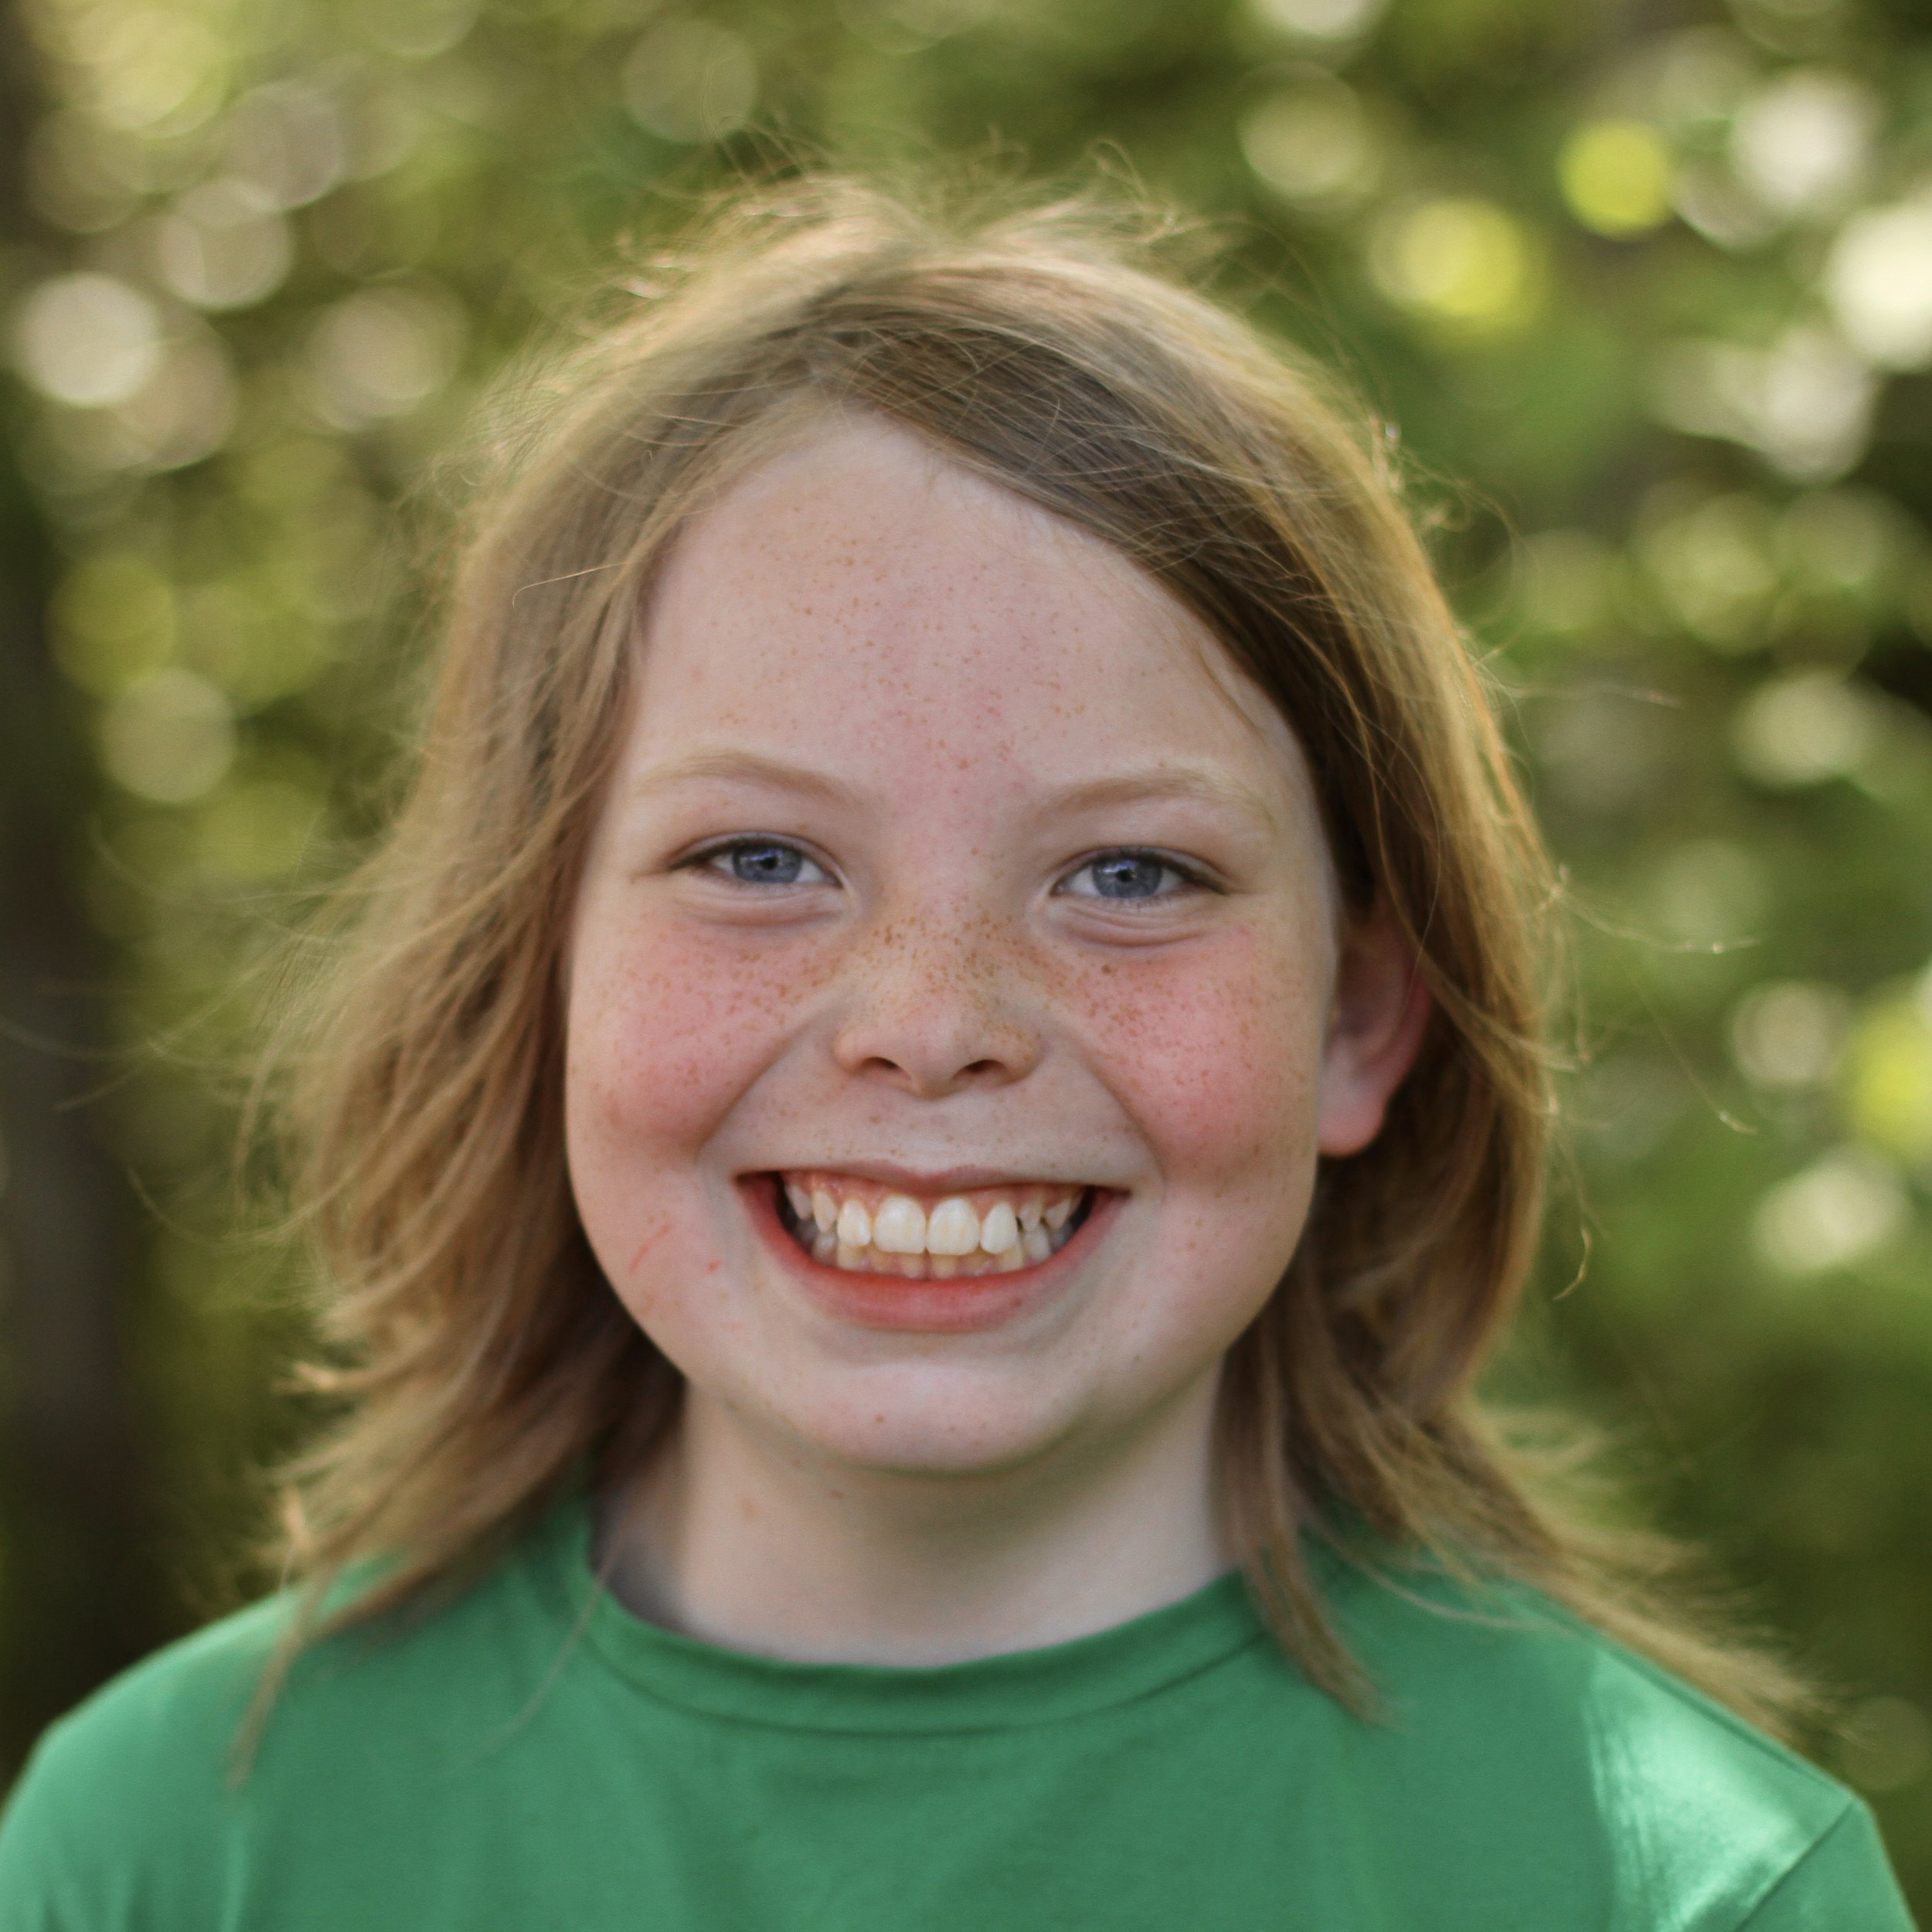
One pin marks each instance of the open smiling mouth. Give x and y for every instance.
(864, 1227)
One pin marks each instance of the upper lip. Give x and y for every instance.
(944, 1180)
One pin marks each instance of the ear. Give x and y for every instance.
(1376, 1022)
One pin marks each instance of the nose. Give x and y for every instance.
(936, 1007)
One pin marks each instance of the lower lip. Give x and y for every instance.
(954, 1307)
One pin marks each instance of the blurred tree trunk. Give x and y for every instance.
(80, 1592)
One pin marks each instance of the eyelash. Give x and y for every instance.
(1191, 879)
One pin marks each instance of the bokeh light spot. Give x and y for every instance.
(1311, 142)
(223, 246)
(1319, 19)
(1805, 402)
(88, 339)
(1460, 261)
(258, 827)
(150, 66)
(1803, 729)
(1616, 177)
(690, 80)
(1787, 1035)
(1712, 565)
(288, 142)
(382, 352)
(1888, 1080)
(1879, 282)
(420, 29)
(114, 622)
(1710, 894)
(1842, 1207)
(1842, 539)
(907, 26)
(168, 737)
(1802, 144)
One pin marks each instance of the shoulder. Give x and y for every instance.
(138, 1808)
(151, 1752)
(1531, 1727)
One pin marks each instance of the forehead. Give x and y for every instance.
(862, 595)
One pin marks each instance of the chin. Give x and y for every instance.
(929, 1423)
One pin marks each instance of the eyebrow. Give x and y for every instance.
(750, 767)
(1201, 784)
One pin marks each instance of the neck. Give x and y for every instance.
(757, 1545)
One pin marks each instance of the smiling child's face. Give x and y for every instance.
(951, 890)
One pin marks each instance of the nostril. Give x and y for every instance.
(972, 1073)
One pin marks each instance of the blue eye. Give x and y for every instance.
(767, 865)
(1130, 876)
(762, 862)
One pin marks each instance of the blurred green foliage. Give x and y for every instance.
(1647, 290)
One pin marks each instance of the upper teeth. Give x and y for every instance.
(1000, 1230)
(899, 1225)
(952, 1228)
(902, 1226)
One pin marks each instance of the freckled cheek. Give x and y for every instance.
(667, 1030)
(1218, 1060)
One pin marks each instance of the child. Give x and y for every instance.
(936, 1098)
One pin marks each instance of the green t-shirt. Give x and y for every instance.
(533, 1757)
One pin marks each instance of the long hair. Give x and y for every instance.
(479, 1360)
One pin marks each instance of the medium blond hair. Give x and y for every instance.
(481, 1363)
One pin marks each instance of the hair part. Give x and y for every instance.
(479, 1359)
